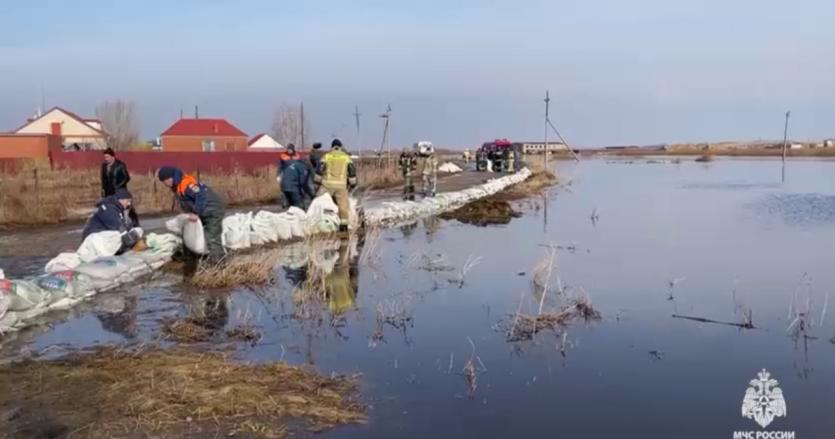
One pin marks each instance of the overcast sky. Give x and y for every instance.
(454, 72)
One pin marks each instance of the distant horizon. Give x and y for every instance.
(457, 73)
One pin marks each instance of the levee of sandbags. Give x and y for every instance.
(72, 277)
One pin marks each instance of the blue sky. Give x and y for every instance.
(455, 72)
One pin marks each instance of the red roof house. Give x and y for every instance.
(207, 135)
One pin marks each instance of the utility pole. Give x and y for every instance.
(785, 144)
(301, 112)
(547, 104)
(786, 135)
(357, 120)
(548, 124)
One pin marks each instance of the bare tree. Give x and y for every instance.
(287, 125)
(120, 123)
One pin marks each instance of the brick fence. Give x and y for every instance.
(143, 162)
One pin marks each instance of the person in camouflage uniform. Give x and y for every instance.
(408, 166)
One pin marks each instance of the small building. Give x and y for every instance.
(207, 135)
(795, 146)
(76, 133)
(539, 147)
(829, 143)
(264, 141)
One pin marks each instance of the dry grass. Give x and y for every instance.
(539, 181)
(169, 393)
(37, 194)
(185, 331)
(255, 268)
(525, 326)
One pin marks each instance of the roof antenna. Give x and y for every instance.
(181, 113)
(196, 114)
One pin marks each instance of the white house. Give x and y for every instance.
(264, 142)
(829, 143)
(76, 132)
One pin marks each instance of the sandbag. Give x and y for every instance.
(162, 243)
(104, 273)
(264, 228)
(322, 215)
(105, 243)
(61, 284)
(62, 262)
(190, 228)
(5, 302)
(297, 218)
(8, 321)
(236, 231)
(449, 168)
(193, 236)
(23, 295)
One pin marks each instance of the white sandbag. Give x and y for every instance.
(322, 215)
(283, 228)
(8, 321)
(105, 243)
(449, 168)
(193, 237)
(2, 274)
(58, 287)
(63, 262)
(104, 273)
(175, 225)
(297, 219)
(23, 295)
(264, 227)
(190, 228)
(236, 231)
(163, 243)
(5, 302)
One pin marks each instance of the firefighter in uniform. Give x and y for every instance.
(336, 174)
(429, 168)
(408, 166)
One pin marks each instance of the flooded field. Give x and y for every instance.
(703, 274)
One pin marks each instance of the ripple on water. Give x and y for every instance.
(797, 209)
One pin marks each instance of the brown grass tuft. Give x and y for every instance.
(109, 392)
(255, 268)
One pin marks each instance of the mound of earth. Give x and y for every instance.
(483, 212)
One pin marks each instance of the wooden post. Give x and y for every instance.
(37, 187)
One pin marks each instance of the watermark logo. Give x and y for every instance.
(763, 400)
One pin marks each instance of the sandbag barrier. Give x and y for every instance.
(392, 213)
(73, 277)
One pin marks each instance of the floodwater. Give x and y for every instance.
(645, 241)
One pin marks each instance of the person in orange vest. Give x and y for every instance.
(287, 156)
(336, 174)
(201, 201)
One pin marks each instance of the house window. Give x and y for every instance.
(208, 145)
(230, 146)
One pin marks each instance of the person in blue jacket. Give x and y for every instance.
(294, 179)
(198, 199)
(113, 214)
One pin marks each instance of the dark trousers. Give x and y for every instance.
(212, 230)
(293, 199)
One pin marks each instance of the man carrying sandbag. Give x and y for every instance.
(112, 215)
(336, 174)
(202, 202)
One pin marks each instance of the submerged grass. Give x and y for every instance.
(256, 268)
(524, 326)
(153, 392)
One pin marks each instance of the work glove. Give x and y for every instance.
(278, 180)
